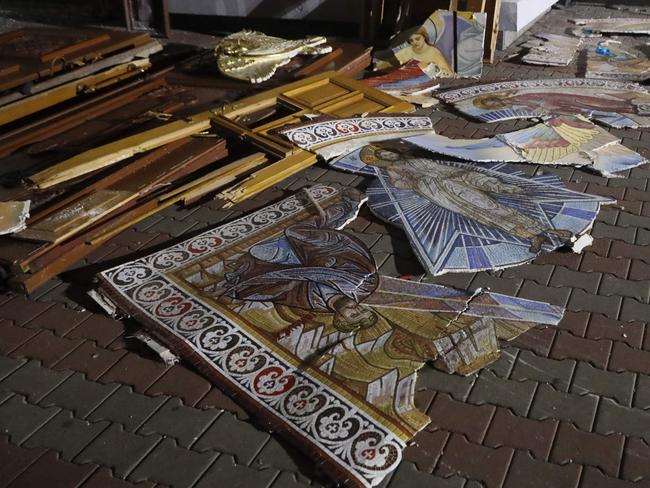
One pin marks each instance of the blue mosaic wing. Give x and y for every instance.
(447, 241)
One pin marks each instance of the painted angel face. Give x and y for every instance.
(417, 40)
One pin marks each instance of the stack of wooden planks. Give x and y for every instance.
(97, 166)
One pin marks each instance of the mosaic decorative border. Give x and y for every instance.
(358, 450)
(454, 96)
(321, 133)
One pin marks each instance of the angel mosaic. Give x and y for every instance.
(616, 104)
(448, 44)
(463, 217)
(288, 312)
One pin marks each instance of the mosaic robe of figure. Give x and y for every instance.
(462, 217)
(616, 104)
(561, 140)
(267, 307)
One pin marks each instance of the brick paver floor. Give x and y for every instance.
(82, 404)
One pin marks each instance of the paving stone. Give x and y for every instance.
(34, 381)
(9, 365)
(103, 478)
(633, 310)
(91, 360)
(614, 418)
(626, 234)
(533, 473)
(600, 247)
(403, 267)
(622, 249)
(618, 386)
(457, 386)
(606, 305)
(120, 450)
(601, 327)
(567, 259)
(594, 477)
(181, 382)
(639, 270)
(47, 347)
(19, 419)
(642, 392)
(539, 340)
(507, 429)
(232, 436)
(539, 273)
(630, 220)
(531, 367)
(568, 346)
(279, 454)
(13, 336)
(172, 466)
(642, 237)
(21, 310)
(504, 363)
(575, 322)
(507, 286)
(640, 290)
(407, 474)
(515, 395)
(473, 461)
(15, 459)
(219, 400)
(136, 371)
(293, 480)
(577, 409)
(615, 266)
(128, 408)
(225, 472)
(608, 216)
(455, 280)
(79, 395)
(575, 446)
(554, 296)
(635, 460)
(173, 419)
(426, 448)
(624, 358)
(49, 471)
(65, 434)
(451, 415)
(564, 277)
(100, 329)
(58, 319)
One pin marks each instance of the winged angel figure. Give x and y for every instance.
(254, 56)
(461, 216)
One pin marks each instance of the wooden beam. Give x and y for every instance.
(27, 106)
(114, 152)
(493, 9)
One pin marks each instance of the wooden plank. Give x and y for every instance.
(123, 57)
(42, 52)
(27, 106)
(267, 177)
(79, 215)
(474, 5)
(493, 9)
(120, 150)
(69, 117)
